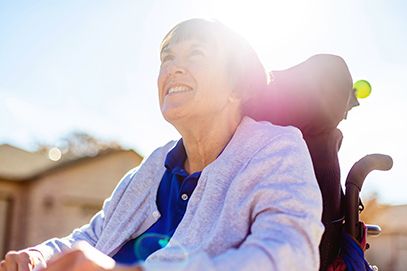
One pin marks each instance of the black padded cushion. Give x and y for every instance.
(312, 95)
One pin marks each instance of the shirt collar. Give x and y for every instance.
(176, 157)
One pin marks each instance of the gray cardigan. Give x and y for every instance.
(256, 207)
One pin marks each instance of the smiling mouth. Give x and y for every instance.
(179, 89)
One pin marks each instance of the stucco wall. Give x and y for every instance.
(60, 200)
(13, 209)
(68, 198)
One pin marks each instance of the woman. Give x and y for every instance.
(231, 194)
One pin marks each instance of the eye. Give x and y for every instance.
(196, 52)
(166, 58)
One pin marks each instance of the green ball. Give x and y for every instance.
(363, 89)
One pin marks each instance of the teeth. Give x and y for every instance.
(178, 89)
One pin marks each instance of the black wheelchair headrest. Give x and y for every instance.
(311, 96)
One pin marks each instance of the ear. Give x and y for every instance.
(234, 97)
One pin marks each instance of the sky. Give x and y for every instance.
(91, 66)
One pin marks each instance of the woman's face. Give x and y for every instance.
(193, 83)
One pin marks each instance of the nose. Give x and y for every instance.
(176, 67)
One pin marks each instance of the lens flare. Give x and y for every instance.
(54, 154)
(363, 89)
(152, 242)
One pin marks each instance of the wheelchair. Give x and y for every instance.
(315, 96)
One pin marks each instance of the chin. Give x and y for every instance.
(171, 116)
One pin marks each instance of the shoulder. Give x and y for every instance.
(252, 135)
(261, 147)
(250, 126)
(150, 166)
(153, 163)
(159, 154)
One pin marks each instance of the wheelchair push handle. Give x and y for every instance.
(353, 185)
(365, 165)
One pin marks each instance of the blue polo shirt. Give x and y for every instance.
(175, 189)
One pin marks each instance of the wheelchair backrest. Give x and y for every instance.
(313, 96)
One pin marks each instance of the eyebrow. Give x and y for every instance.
(193, 46)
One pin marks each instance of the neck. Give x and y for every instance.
(206, 141)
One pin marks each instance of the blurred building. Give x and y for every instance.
(388, 251)
(41, 198)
